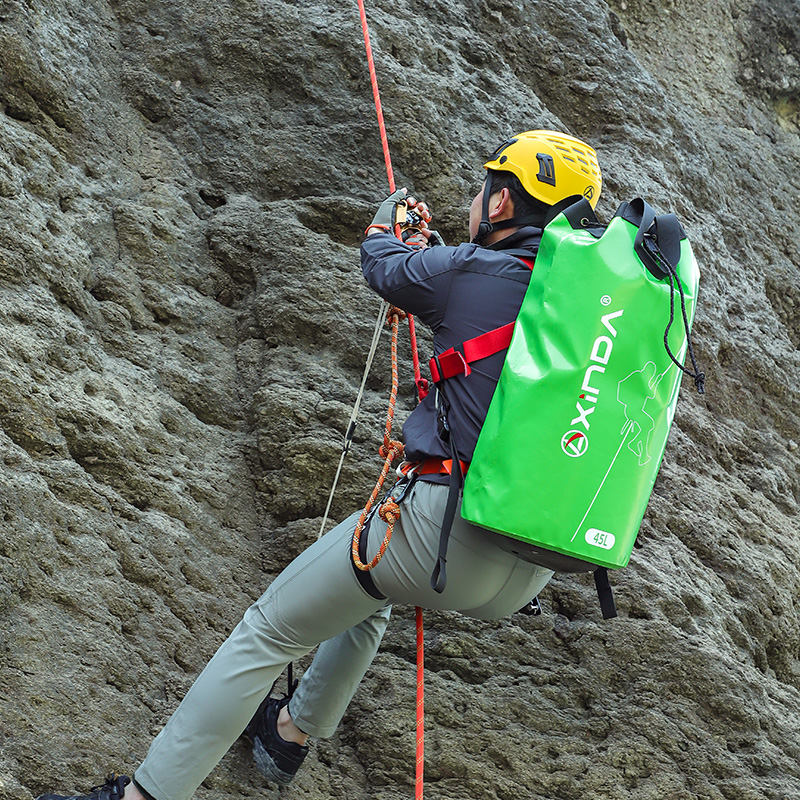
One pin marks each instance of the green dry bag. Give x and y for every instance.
(573, 440)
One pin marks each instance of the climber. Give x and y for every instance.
(459, 292)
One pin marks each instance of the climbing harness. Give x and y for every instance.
(455, 362)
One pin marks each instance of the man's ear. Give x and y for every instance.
(501, 206)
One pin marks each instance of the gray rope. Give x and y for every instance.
(351, 425)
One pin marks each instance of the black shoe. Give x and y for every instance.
(112, 789)
(277, 759)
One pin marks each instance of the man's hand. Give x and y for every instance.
(413, 219)
(424, 238)
(386, 215)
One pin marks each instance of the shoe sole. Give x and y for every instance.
(267, 767)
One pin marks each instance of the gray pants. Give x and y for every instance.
(317, 599)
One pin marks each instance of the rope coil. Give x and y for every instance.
(389, 511)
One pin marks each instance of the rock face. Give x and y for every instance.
(183, 188)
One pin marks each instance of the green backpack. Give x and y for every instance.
(576, 430)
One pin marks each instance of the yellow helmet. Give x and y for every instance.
(551, 166)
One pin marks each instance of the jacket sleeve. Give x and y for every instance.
(418, 281)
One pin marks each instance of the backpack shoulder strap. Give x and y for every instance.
(658, 236)
(455, 362)
(604, 593)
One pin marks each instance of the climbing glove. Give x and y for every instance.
(435, 238)
(423, 238)
(413, 217)
(386, 215)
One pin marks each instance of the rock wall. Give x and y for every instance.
(183, 326)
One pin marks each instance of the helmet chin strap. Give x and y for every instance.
(539, 220)
(485, 227)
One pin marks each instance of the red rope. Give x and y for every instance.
(420, 706)
(373, 76)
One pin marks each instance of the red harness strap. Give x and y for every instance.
(432, 466)
(454, 362)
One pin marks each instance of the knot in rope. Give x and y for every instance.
(391, 449)
(700, 382)
(393, 312)
(389, 511)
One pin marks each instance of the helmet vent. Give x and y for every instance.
(575, 155)
(547, 169)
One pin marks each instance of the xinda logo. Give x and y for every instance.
(574, 443)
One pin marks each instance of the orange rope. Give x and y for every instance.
(389, 511)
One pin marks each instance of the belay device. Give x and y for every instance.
(575, 433)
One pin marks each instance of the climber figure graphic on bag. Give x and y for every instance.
(636, 416)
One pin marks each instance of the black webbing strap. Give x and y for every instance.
(439, 576)
(537, 220)
(364, 577)
(604, 593)
(291, 681)
(658, 245)
(658, 236)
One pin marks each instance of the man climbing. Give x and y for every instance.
(320, 598)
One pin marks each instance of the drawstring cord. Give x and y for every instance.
(698, 377)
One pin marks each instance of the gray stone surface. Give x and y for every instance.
(183, 324)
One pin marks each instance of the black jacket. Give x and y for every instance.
(459, 293)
